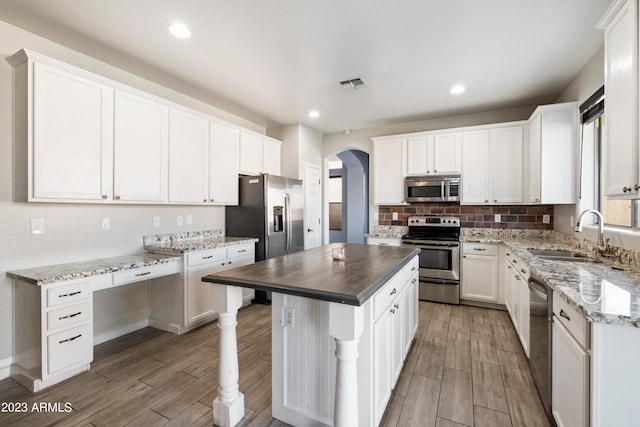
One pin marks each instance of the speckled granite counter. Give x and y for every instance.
(387, 231)
(191, 241)
(608, 292)
(62, 272)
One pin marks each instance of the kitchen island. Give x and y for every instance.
(363, 307)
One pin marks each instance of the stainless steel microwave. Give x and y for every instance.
(432, 188)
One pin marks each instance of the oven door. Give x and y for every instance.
(438, 260)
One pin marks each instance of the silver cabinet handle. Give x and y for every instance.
(69, 294)
(143, 274)
(69, 316)
(383, 244)
(241, 251)
(70, 339)
(523, 271)
(207, 257)
(393, 291)
(104, 196)
(117, 197)
(479, 249)
(565, 315)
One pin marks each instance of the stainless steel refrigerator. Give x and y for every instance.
(271, 209)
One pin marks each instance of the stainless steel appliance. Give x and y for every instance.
(271, 209)
(540, 338)
(432, 188)
(438, 238)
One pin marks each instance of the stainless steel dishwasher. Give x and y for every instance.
(540, 324)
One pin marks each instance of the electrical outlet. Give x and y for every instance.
(546, 219)
(106, 223)
(394, 216)
(37, 225)
(497, 217)
(288, 316)
(180, 220)
(156, 221)
(189, 219)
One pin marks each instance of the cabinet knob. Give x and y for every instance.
(211, 200)
(435, 171)
(104, 196)
(205, 200)
(495, 200)
(117, 197)
(486, 201)
(625, 189)
(636, 187)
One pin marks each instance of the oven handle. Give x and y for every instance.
(438, 281)
(438, 247)
(431, 245)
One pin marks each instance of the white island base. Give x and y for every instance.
(333, 364)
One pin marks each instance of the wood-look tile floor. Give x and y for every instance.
(466, 367)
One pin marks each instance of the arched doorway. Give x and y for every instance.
(348, 196)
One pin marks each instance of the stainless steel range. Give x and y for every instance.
(438, 238)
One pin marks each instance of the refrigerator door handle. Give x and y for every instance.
(287, 213)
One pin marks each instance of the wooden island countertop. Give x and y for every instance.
(315, 274)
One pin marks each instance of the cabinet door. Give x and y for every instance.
(407, 317)
(250, 154)
(508, 291)
(621, 81)
(535, 136)
(475, 179)
(507, 161)
(480, 278)
(198, 298)
(523, 330)
(446, 153)
(188, 158)
(140, 149)
(381, 364)
(418, 155)
(389, 171)
(397, 335)
(72, 136)
(271, 157)
(224, 164)
(570, 379)
(516, 301)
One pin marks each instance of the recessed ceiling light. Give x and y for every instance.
(314, 114)
(457, 89)
(180, 30)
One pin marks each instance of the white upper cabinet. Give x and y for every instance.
(433, 153)
(224, 164)
(140, 155)
(492, 161)
(259, 155)
(389, 170)
(507, 145)
(552, 154)
(476, 172)
(71, 139)
(188, 158)
(82, 138)
(620, 159)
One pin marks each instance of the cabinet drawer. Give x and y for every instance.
(394, 287)
(575, 323)
(68, 315)
(240, 261)
(144, 273)
(384, 241)
(69, 348)
(480, 249)
(68, 293)
(240, 251)
(206, 257)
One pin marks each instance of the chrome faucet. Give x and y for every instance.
(601, 246)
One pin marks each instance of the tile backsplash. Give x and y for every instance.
(512, 216)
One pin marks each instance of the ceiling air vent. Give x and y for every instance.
(356, 83)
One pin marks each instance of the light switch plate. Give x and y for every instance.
(37, 225)
(156, 221)
(180, 220)
(106, 223)
(498, 217)
(189, 219)
(546, 219)
(394, 215)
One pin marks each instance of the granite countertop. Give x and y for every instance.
(181, 246)
(61, 272)
(607, 292)
(314, 274)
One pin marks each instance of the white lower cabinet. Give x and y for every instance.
(53, 337)
(382, 364)
(187, 290)
(516, 277)
(480, 272)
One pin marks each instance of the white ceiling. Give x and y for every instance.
(274, 60)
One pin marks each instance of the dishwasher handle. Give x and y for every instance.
(538, 288)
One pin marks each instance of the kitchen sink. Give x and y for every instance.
(561, 255)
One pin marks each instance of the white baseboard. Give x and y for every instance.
(5, 367)
(107, 336)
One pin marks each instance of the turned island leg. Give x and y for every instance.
(346, 323)
(228, 407)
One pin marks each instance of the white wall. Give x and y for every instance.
(301, 144)
(72, 231)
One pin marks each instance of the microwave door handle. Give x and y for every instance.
(442, 188)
